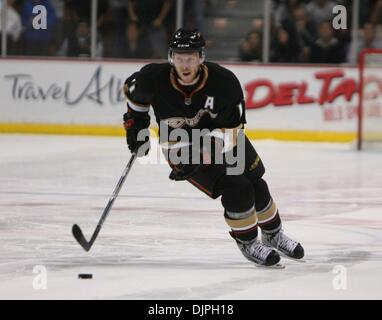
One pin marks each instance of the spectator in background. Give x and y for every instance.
(344, 35)
(193, 14)
(107, 30)
(79, 43)
(131, 47)
(368, 39)
(306, 32)
(364, 11)
(38, 42)
(13, 26)
(106, 22)
(284, 12)
(119, 13)
(320, 11)
(58, 6)
(68, 23)
(83, 8)
(150, 15)
(376, 13)
(283, 49)
(327, 49)
(285, 19)
(251, 48)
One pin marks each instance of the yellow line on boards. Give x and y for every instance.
(99, 130)
(301, 135)
(66, 129)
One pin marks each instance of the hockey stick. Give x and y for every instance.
(77, 233)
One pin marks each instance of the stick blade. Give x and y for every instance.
(79, 236)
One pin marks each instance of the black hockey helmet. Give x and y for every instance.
(187, 41)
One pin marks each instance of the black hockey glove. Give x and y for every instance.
(206, 157)
(134, 124)
(184, 171)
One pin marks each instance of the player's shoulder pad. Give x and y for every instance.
(217, 71)
(142, 81)
(225, 81)
(148, 72)
(155, 69)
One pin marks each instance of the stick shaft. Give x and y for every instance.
(77, 233)
(117, 189)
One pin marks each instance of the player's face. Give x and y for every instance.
(187, 65)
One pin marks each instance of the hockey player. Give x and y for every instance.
(190, 93)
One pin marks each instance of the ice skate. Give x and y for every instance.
(258, 253)
(283, 244)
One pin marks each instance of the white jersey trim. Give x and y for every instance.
(136, 107)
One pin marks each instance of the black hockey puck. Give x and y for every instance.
(85, 276)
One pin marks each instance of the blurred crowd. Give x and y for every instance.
(125, 28)
(301, 30)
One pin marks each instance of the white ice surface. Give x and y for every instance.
(167, 240)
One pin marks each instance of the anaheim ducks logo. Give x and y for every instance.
(178, 122)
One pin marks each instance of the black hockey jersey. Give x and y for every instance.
(215, 101)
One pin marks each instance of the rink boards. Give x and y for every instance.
(314, 103)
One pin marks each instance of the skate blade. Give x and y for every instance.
(275, 266)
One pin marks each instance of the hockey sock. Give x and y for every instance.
(242, 224)
(267, 213)
(269, 218)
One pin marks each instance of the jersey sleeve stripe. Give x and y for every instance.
(136, 107)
